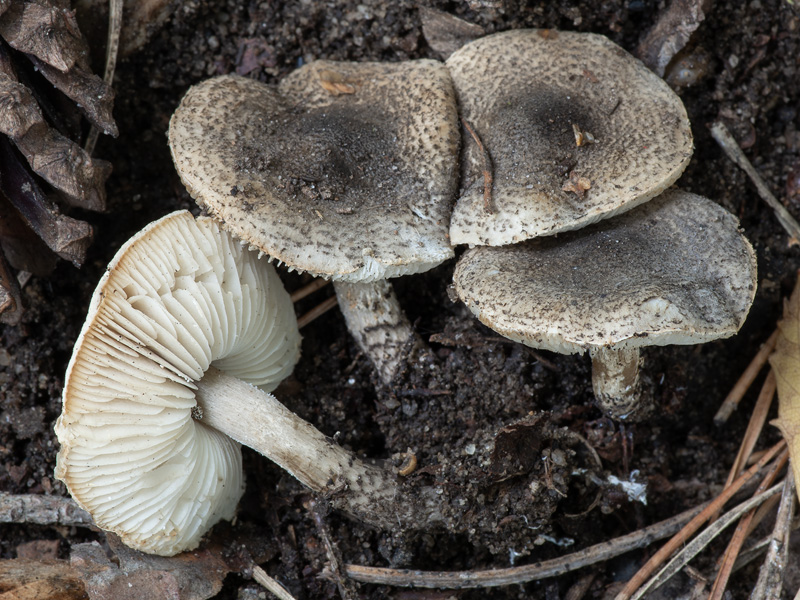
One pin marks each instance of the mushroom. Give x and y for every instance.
(673, 271)
(573, 130)
(180, 326)
(345, 170)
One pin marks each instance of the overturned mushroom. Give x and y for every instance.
(572, 130)
(180, 326)
(673, 271)
(346, 171)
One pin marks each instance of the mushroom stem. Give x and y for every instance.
(617, 385)
(256, 419)
(379, 325)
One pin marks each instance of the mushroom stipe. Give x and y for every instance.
(675, 270)
(180, 328)
(191, 339)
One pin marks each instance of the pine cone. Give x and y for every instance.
(41, 166)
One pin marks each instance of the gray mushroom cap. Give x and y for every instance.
(346, 170)
(180, 296)
(673, 271)
(530, 95)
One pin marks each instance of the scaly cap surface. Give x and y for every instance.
(346, 170)
(673, 271)
(531, 96)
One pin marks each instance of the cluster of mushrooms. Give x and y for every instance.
(348, 171)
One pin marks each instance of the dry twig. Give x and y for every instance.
(695, 546)
(771, 575)
(754, 427)
(488, 177)
(112, 50)
(679, 540)
(723, 137)
(334, 563)
(742, 530)
(272, 586)
(38, 509)
(578, 590)
(319, 310)
(515, 575)
(306, 290)
(745, 381)
(753, 552)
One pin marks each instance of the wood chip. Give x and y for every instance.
(515, 575)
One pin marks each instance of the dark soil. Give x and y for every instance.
(492, 424)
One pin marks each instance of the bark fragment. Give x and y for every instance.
(25, 579)
(133, 575)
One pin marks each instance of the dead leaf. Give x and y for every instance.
(24, 579)
(577, 185)
(785, 362)
(671, 33)
(446, 33)
(517, 448)
(38, 550)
